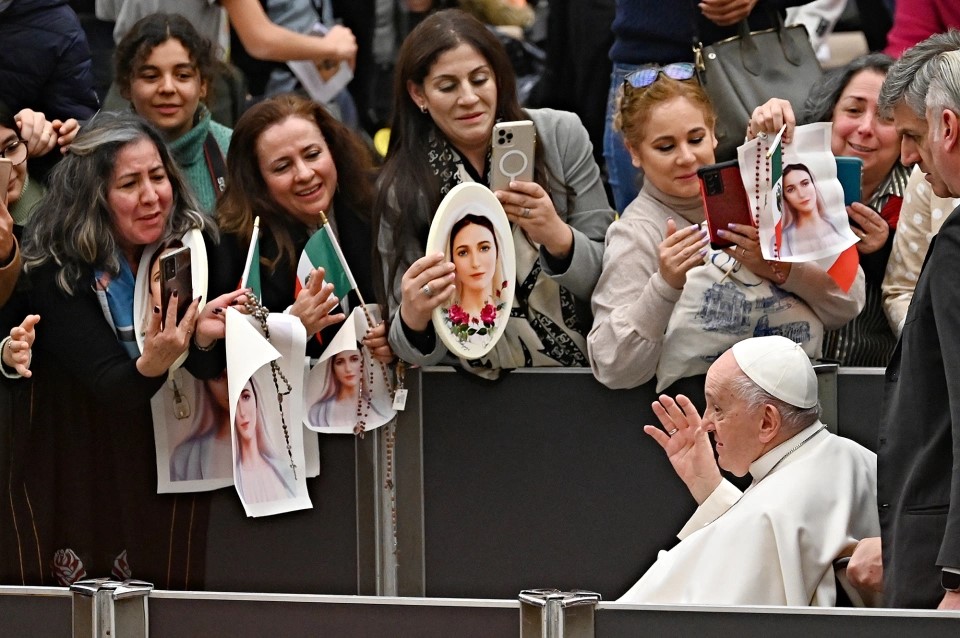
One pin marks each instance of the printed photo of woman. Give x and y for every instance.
(262, 474)
(475, 253)
(807, 227)
(346, 398)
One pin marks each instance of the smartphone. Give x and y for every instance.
(6, 168)
(724, 199)
(850, 174)
(176, 275)
(512, 155)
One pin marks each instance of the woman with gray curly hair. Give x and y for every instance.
(82, 496)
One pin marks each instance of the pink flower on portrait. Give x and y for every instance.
(488, 315)
(457, 316)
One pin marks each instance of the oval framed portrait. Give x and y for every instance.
(472, 230)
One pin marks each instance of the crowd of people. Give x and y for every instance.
(638, 297)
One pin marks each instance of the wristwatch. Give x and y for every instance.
(950, 581)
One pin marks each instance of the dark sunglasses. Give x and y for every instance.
(642, 78)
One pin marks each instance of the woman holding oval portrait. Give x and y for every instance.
(847, 97)
(290, 161)
(84, 495)
(262, 475)
(453, 82)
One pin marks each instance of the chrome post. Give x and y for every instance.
(551, 613)
(104, 608)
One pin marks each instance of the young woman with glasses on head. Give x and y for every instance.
(667, 303)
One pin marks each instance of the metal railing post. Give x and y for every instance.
(551, 613)
(104, 608)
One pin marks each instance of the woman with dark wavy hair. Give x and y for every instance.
(82, 498)
(290, 161)
(453, 82)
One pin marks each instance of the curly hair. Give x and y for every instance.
(150, 32)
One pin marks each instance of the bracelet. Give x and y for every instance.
(213, 344)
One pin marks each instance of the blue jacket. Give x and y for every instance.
(45, 60)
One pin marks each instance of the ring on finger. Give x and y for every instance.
(427, 290)
(673, 431)
(743, 252)
(525, 212)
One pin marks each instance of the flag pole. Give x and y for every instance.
(336, 246)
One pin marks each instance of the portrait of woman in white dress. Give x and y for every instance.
(346, 398)
(262, 473)
(807, 227)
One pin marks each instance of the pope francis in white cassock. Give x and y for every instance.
(813, 494)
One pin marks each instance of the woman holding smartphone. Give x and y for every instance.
(82, 495)
(848, 98)
(453, 83)
(667, 304)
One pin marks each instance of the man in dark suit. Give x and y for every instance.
(918, 490)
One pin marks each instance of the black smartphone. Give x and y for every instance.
(850, 174)
(724, 199)
(176, 275)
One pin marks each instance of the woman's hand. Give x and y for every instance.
(41, 135)
(17, 351)
(427, 284)
(530, 207)
(680, 251)
(687, 444)
(873, 230)
(770, 117)
(67, 132)
(163, 346)
(211, 322)
(746, 250)
(315, 303)
(376, 342)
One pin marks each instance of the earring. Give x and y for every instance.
(423, 108)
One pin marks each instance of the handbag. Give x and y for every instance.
(742, 72)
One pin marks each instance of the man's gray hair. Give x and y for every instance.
(944, 91)
(792, 418)
(909, 77)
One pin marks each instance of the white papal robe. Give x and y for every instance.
(775, 543)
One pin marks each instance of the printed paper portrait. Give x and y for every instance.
(269, 468)
(472, 231)
(803, 217)
(190, 416)
(348, 391)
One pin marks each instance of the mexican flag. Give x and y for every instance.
(323, 251)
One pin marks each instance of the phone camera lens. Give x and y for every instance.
(510, 136)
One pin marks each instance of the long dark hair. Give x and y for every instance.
(407, 183)
(246, 195)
